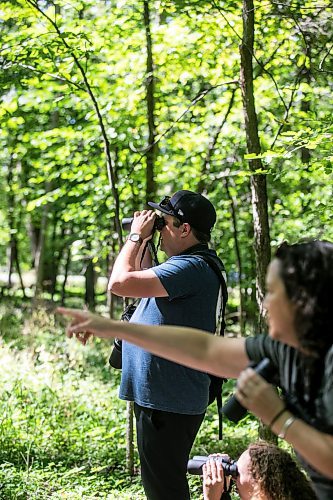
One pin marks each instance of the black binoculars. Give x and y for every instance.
(194, 466)
(158, 224)
(233, 410)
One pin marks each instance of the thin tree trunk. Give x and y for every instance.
(18, 268)
(67, 264)
(11, 259)
(150, 99)
(40, 253)
(130, 437)
(90, 285)
(258, 181)
(12, 249)
(58, 245)
(34, 232)
(238, 254)
(14, 226)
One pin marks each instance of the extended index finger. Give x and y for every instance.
(67, 311)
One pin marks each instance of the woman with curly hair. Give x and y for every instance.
(265, 472)
(299, 308)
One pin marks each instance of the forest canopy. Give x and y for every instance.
(106, 104)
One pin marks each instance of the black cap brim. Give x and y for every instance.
(156, 206)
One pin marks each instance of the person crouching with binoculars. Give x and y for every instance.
(262, 472)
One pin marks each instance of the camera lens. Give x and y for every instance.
(233, 409)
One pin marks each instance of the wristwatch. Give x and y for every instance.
(135, 237)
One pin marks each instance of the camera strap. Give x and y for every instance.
(202, 250)
(150, 245)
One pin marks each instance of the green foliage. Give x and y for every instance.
(62, 430)
(53, 171)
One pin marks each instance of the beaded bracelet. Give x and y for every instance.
(274, 419)
(285, 427)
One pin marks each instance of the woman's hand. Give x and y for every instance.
(84, 324)
(258, 396)
(213, 479)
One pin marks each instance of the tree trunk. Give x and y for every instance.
(89, 274)
(58, 246)
(258, 181)
(67, 264)
(14, 227)
(12, 248)
(40, 253)
(130, 438)
(150, 99)
(11, 255)
(238, 255)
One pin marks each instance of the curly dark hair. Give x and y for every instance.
(277, 474)
(307, 273)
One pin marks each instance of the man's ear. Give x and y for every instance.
(186, 229)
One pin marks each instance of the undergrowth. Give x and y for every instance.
(62, 426)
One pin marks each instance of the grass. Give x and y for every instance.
(62, 426)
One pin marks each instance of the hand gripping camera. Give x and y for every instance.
(194, 466)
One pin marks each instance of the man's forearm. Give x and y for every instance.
(126, 261)
(144, 260)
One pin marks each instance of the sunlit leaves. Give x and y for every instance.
(50, 135)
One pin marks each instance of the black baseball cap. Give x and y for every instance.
(189, 207)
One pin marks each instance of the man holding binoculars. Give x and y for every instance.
(170, 400)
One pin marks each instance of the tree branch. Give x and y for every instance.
(56, 77)
(109, 161)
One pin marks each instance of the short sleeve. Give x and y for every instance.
(182, 276)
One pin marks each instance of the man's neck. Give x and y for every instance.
(193, 248)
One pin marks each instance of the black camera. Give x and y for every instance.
(194, 465)
(116, 358)
(158, 224)
(233, 410)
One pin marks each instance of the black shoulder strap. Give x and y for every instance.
(218, 268)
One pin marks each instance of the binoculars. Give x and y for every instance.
(158, 224)
(194, 466)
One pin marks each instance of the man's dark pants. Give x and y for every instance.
(164, 443)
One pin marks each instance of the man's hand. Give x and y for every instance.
(143, 223)
(84, 324)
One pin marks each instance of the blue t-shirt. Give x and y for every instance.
(157, 383)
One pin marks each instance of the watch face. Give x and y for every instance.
(134, 237)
